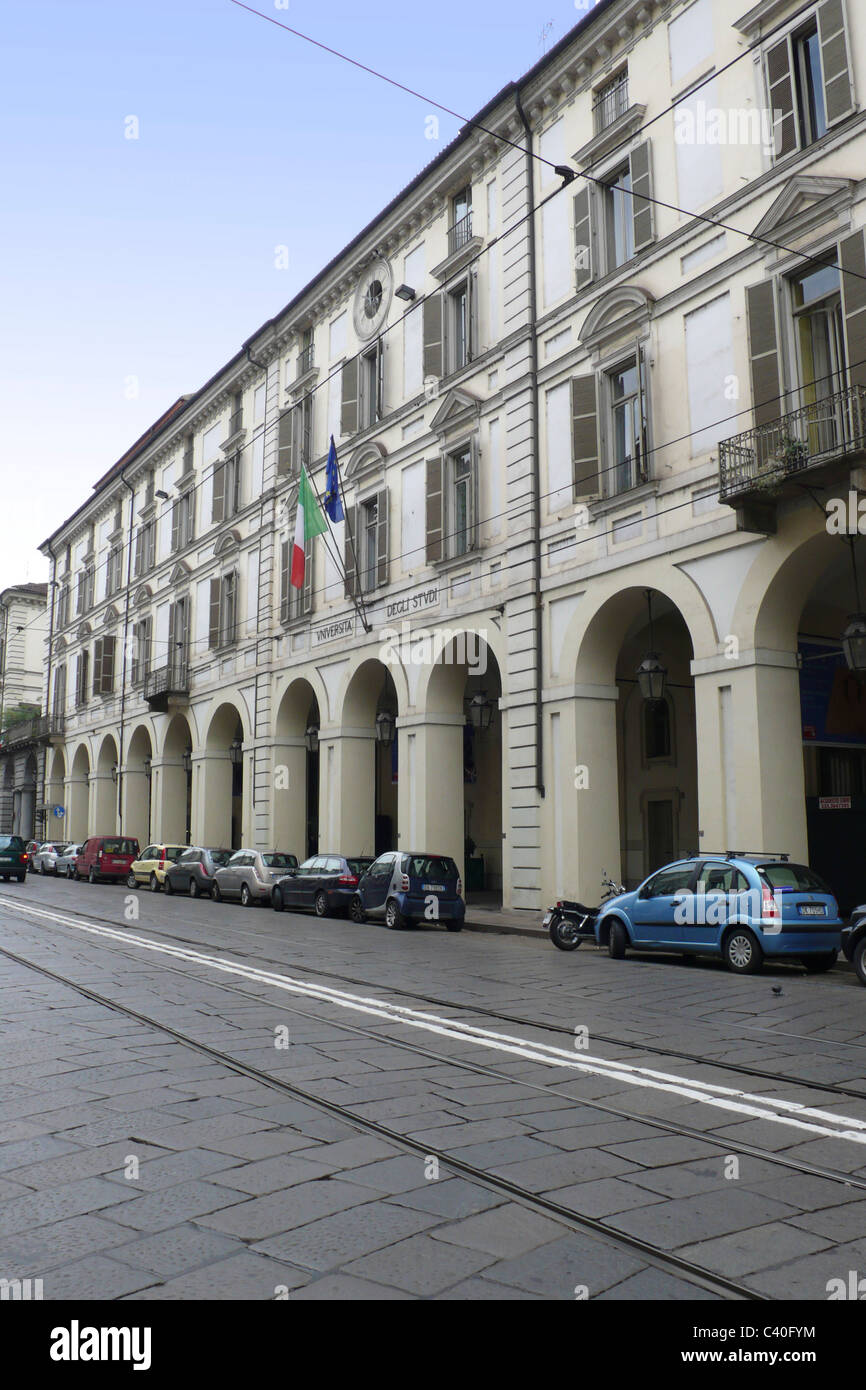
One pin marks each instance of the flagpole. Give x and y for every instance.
(354, 552)
(341, 567)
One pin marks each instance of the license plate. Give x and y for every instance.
(545, 921)
(433, 887)
(812, 910)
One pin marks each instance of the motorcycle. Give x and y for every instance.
(569, 922)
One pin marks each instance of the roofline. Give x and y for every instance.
(466, 131)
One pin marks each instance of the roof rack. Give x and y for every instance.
(758, 854)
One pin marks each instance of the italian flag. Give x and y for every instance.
(309, 522)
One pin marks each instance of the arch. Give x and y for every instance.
(103, 788)
(77, 798)
(173, 780)
(136, 787)
(222, 807)
(296, 768)
(625, 306)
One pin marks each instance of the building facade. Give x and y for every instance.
(23, 634)
(594, 377)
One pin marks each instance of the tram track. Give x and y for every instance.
(505, 1186)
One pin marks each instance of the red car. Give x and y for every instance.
(105, 857)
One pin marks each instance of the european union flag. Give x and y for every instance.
(332, 504)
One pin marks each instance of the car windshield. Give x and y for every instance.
(120, 847)
(791, 878)
(431, 866)
(280, 861)
(359, 866)
(220, 856)
(11, 842)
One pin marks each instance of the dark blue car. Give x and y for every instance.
(740, 907)
(405, 887)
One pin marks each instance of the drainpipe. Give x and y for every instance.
(254, 759)
(131, 489)
(52, 588)
(536, 462)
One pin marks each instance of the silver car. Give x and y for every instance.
(250, 875)
(44, 859)
(64, 864)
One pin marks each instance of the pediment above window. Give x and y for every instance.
(457, 409)
(84, 631)
(804, 201)
(228, 541)
(110, 616)
(366, 459)
(180, 574)
(626, 309)
(143, 595)
(60, 645)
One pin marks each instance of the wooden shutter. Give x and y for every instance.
(838, 86)
(471, 316)
(643, 463)
(97, 666)
(218, 508)
(351, 581)
(284, 581)
(175, 525)
(382, 530)
(852, 258)
(214, 613)
(475, 525)
(781, 92)
(584, 436)
(306, 594)
(643, 221)
(434, 510)
(349, 408)
(434, 337)
(380, 378)
(763, 352)
(108, 664)
(237, 478)
(583, 248)
(284, 443)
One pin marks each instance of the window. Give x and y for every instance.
(295, 602)
(223, 611)
(657, 729)
(59, 702)
(236, 422)
(182, 515)
(462, 510)
(370, 383)
(721, 878)
(103, 665)
(808, 84)
(816, 306)
(460, 230)
(114, 574)
(305, 352)
(302, 433)
(140, 664)
(178, 634)
(226, 489)
(791, 878)
(145, 548)
(85, 589)
(619, 218)
(63, 604)
(82, 683)
(149, 489)
(669, 881)
(627, 463)
(458, 326)
(611, 101)
(367, 544)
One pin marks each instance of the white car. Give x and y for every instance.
(44, 858)
(64, 864)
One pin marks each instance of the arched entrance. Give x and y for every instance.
(173, 784)
(295, 779)
(77, 796)
(358, 767)
(103, 789)
(55, 795)
(221, 810)
(136, 794)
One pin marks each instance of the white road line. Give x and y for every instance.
(777, 1111)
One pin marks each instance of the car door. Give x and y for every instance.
(716, 890)
(377, 884)
(661, 904)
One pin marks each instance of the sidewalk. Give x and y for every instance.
(506, 921)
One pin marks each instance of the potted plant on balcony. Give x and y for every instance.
(789, 455)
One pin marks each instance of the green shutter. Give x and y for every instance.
(852, 259)
(348, 552)
(214, 614)
(382, 501)
(309, 566)
(584, 436)
(764, 352)
(434, 510)
(643, 221)
(838, 87)
(434, 363)
(582, 238)
(781, 92)
(349, 408)
(284, 443)
(218, 508)
(284, 581)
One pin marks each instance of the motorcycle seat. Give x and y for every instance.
(570, 906)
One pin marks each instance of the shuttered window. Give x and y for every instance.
(103, 665)
(809, 79)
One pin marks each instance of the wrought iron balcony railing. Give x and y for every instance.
(759, 460)
(459, 233)
(306, 360)
(31, 730)
(610, 103)
(167, 680)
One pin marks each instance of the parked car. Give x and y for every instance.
(740, 907)
(406, 887)
(150, 866)
(854, 941)
(325, 883)
(105, 857)
(44, 859)
(30, 849)
(250, 875)
(13, 858)
(64, 865)
(193, 871)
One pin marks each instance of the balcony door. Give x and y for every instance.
(820, 345)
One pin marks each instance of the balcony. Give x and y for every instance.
(610, 103)
(41, 727)
(767, 462)
(167, 685)
(306, 361)
(459, 233)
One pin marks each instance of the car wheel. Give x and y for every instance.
(453, 926)
(816, 965)
(356, 910)
(21, 877)
(91, 876)
(131, 880)
(617, 941)
(42, 866)
(154, 884)
(393, 915)
(193, 888)
(168, 886)
(70, 872)
(277, 900)
(742, 953)
(321, 904)
(860, 960)
(216, 894)
(245, 896)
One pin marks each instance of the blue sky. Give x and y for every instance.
(134, 267)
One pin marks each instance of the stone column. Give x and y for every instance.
(134, 804)
(76, 799)
(430, 789)
(347, 791)
(288, 791)
(103, 804)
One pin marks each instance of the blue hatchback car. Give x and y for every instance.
(405, 887)
(741, 907)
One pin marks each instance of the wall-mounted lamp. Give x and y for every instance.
(311, 738)
(405, 292)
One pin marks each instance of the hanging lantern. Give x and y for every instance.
(386, 723)
(481, 711)
(854, 643)
(236, 752)
(651, 675)
(311, 738)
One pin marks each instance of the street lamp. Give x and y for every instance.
(236, 752)
(187, 760)
(651, 675)
(114, 772)
(481, 711)
(386, 723)
(311, 738)
(854, 636)
(148, 768)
